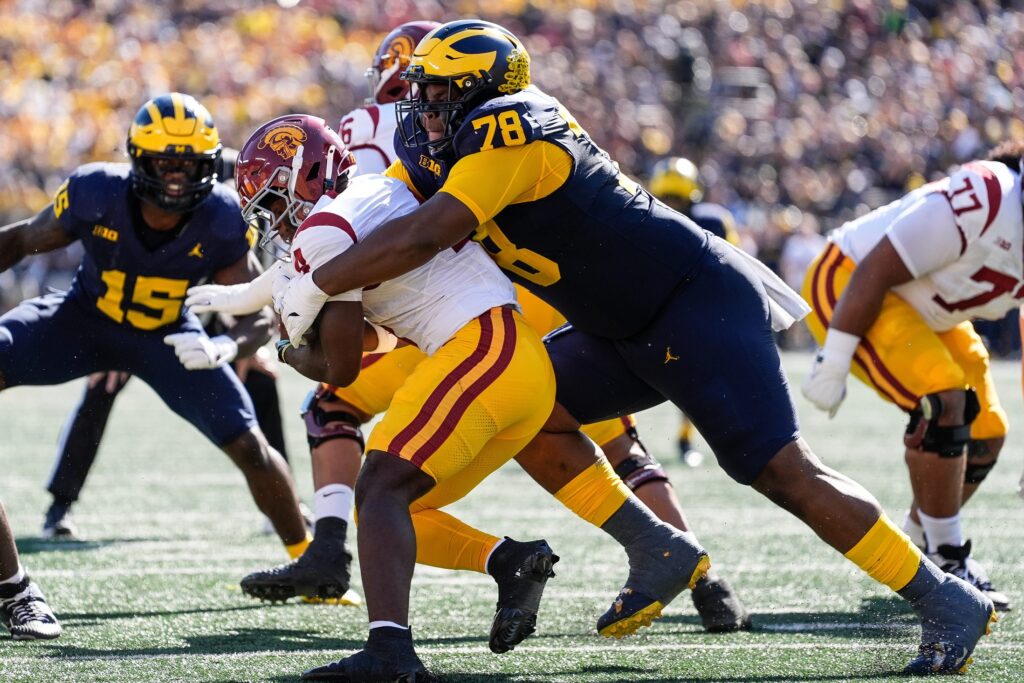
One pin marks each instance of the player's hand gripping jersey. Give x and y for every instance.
(961, 238)
(119, 278)
(425, 306)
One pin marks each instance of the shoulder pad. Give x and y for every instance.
(506, 121)
(223, 213)
(92, 187)
(359, 126)
(975, 194)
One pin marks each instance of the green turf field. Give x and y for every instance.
(153, 596)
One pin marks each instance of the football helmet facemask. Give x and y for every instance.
(283, 169)
(475, 60)
(175, 151)
(392, 58)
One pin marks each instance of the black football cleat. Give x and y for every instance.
(954, 616)
(27, 616)
(321, 572)
(719, 607)
(958, 562)
(521, 571)
(388, 656)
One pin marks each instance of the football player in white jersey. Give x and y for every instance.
(334, 415)
(483, 391)
(893, 295)
(369, 131)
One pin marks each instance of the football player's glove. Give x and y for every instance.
(300, 304)
(825, 387)
(242, 299)
(199, 352)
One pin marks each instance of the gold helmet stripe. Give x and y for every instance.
(439, 58)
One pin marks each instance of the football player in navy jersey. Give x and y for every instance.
(496, 158)
(82, 433)
(151, 229)
(676, 182)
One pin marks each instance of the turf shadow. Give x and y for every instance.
(889, 616)
(231, 642)
(93, 618)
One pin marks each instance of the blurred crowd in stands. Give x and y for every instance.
(799, 113)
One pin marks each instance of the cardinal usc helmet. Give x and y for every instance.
(175, 151)
(284, 168)
(392, 58)
(475, 60)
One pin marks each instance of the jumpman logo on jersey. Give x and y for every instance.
(197, 250)
(669, 356)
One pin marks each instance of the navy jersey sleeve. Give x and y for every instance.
(502, 122)
(712, 224)
(81, 202)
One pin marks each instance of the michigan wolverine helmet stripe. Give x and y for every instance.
(174, 149)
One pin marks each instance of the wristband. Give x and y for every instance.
(282, 345)
(840, 346)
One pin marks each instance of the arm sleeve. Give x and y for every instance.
(320, 241)
(486, 182)
(926, 235)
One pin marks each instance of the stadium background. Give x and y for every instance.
(800, 113)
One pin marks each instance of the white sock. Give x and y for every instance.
(17, 577)
(333, 500)
(914, 530)
(941, 531)
(487, 562)
(387, 624)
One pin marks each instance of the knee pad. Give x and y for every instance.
(639, 469)
(975, 472)
(323, 424)
(948, 441)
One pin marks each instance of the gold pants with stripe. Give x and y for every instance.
(382, 374)
(902, 358)
(471, 406)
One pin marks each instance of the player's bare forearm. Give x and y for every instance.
(36, 235)
(251, 332)
(879, 271)
(334, 353)
(398, 246)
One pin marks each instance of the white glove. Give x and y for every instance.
(242, 299)
(281, 279)
(825, 387)
(198, 352)
(300, 305)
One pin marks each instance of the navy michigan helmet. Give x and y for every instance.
(476, 60)
(175, 152)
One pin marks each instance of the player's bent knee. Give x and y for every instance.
(982, 455)
(327, 418)
(384, 475)
(941, 423)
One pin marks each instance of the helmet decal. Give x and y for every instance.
(518, 75)
(285, 140)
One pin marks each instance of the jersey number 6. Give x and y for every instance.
(160, 294)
